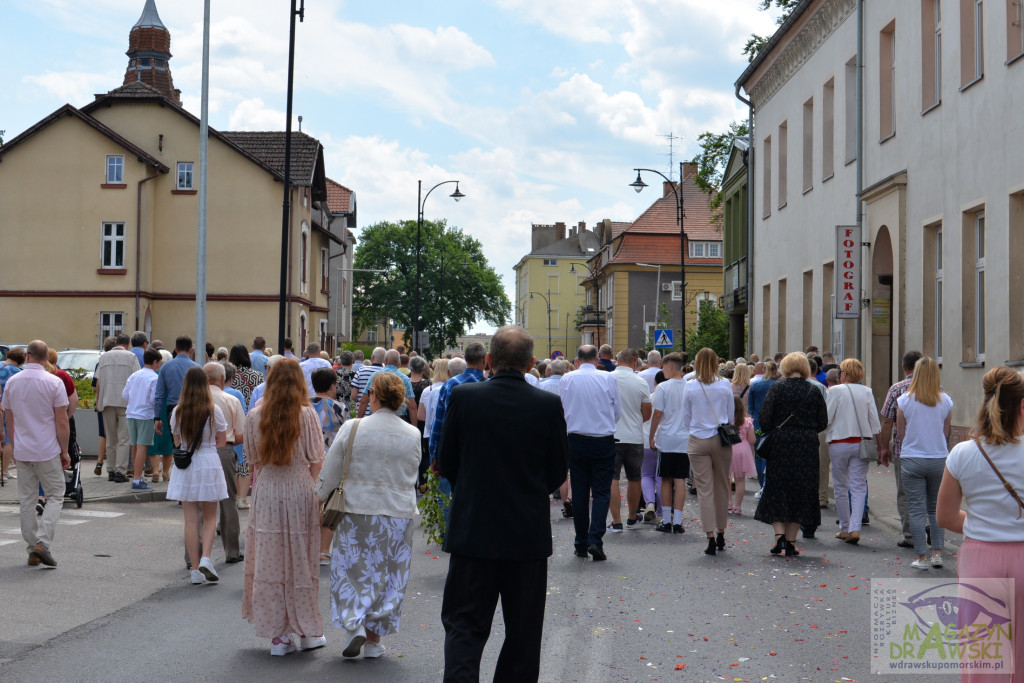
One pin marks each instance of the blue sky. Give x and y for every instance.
(540, 107)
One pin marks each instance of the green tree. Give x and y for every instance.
(756, 43)
(2, 136)
(711, 161)
(457, 285)
(712, 331)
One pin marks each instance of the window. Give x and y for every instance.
(766, 171)
(808, 312)
(783, 161)
(371, 336)
(973, 285)
(302, 330)
(550, 262)
(766, 318)
(185, 175)
(808, 149)
(828, 129)
(111, 324)
(1014, 29)
(1015, 251)
(931, 53)
(714, 250)
(304, 260)
(979, 284)
(705, 249)
(887, 82)
(112, 254)
(677, 290)
(938, 293)
(972, 42)
(323, 334)
(325, 274)
(850, 85)
(696, 250)
(115, 169)
(932, 309)
(782, 313)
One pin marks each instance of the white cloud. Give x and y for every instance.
(254, 115)
(75, 87)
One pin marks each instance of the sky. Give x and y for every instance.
(540, 108)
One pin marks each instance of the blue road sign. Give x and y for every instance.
(663, 339)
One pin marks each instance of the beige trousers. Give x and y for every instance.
(709, 464)
(824, 464)
(50, 475)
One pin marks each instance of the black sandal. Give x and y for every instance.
(791, 549)
(780, 544)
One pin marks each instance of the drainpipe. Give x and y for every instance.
(860, 161)
(138, 249)
(750, 220)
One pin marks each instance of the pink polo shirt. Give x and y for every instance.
(31, 400)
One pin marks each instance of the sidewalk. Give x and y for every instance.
(96, 489)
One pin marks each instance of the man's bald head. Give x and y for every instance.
(37, 351)
(587, 353)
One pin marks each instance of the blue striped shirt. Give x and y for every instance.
(469, 375)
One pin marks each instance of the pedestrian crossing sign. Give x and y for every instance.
(663, 339)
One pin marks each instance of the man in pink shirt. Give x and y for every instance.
(36, 403)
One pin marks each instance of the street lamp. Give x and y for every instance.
(597, 294)
(421, 199)
(548, 302)
(639, 185)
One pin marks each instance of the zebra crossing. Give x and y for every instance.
(10, 526)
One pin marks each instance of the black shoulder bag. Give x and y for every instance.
(183, 458)
(728, 433)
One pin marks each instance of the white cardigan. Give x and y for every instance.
(384, 467)
(842, 420)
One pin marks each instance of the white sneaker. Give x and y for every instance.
(919, 564)
(937, 560)
(279, 647)
(196, 577)
(206, 567)
(355, 642)
(311, 643)
(373, 650)
(757, 496)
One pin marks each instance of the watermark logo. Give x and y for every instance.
(942, 626)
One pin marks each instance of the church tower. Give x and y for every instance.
(149, 50)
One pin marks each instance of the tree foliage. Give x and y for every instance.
(712, 331)
(2, 136)
(457, 286)
(714, 155)
(756, 43)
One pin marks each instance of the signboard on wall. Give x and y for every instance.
(848, 271)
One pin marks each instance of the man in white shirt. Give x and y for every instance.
(592, 407)
(758, 372)
(138, 392)
(555, 371)
(629, 435)
(653, 366)
(669, 436)
(111, 375)
(312, 362)
(235, 417)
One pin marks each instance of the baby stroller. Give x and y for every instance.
(73, 476)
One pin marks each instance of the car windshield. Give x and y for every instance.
(74, 360)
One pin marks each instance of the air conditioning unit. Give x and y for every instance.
(666, 286)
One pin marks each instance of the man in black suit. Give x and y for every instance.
(505, 450)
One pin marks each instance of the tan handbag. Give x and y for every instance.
(333, 508)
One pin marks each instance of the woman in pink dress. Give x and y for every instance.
(742, 457)
(284, 441)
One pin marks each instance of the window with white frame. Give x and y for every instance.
(1015, 29)
(115, 169)
(550, 262)
(887, 82)
(938, 294)
(705, 249)
(111, 324)
(677, 290)
(931, 53)
(325, 279)
(371, 336)
(112, 247)
(979, 284)
(186, 180)
(972, 41)
(304, 259)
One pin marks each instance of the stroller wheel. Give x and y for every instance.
(78, 496)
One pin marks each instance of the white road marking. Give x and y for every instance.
(16, 510)
(8, 542)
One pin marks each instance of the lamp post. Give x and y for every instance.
(639, 185)
(548, 302)
(421, 199)
(286, 204)
(597, 295)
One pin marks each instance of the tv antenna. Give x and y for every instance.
(671, 137)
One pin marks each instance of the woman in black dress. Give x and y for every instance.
(790, 497)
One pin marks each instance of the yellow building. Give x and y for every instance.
(100, 206)
(549, 286)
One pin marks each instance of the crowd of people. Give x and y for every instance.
(366, 432)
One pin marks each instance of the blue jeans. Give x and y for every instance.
(446, 488)
(921, 479)
(591, 469)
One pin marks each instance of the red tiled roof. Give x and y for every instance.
(619, 227)
(339, 197)
(660, 218)
(647, 248)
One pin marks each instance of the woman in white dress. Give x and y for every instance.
(201, 486)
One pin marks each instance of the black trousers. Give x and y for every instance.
(470, 595)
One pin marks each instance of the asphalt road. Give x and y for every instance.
(118, 608)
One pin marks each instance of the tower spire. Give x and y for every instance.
(149, 52)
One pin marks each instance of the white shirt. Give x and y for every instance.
(231, 408)
(704, 415)
(551, 383)
(591, 401)
(851, 412)
(308, 367)
(756, 378)
(648, 376)
(531, 380)
(991, 510)
(673, 433)
(925, 435)
(633, 393)
(428, 399)
(138, 392)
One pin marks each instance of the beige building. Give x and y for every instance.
(101, 205)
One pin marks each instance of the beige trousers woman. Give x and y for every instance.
(709, 463)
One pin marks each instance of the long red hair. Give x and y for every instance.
(281, 412)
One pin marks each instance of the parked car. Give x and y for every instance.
(4, 348)
(79, 359)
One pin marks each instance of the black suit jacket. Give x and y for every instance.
(504, 448)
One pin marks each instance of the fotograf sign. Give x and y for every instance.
(847, 270)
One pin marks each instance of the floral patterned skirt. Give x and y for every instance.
(370, 564)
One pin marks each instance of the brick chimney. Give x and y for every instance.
(689, 169)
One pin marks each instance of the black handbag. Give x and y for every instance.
(183, 458)
(728, 433)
